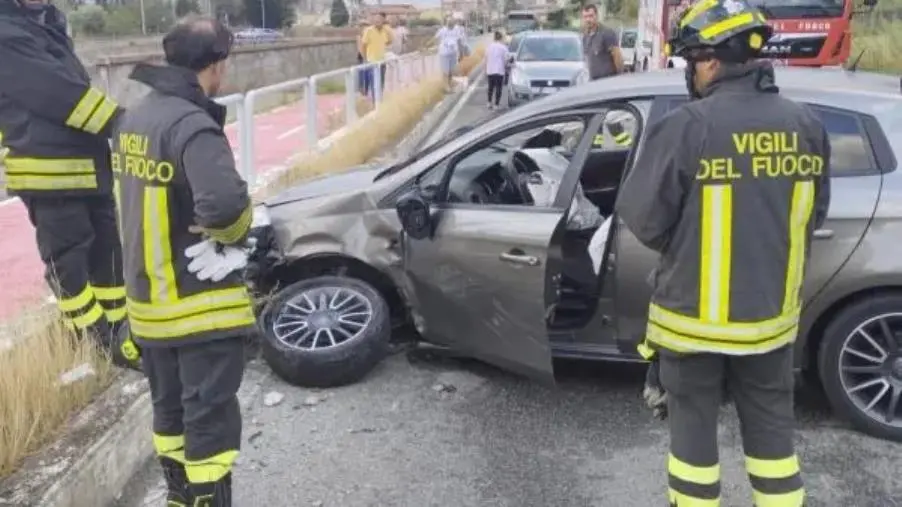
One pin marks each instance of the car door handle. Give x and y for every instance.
(518, 257)
(823, 234)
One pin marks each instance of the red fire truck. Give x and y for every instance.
(812, 33)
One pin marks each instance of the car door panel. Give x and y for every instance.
(481, 283)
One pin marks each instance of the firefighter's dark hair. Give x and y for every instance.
(590, 7)
(196, 42)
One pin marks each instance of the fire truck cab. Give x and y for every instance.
(813, 33)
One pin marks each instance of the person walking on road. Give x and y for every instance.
(496, 56)
(728, 189)
(448, 38)
(375, 43)
(55, 129)
(601, 46)
(184, 211)
(400, 34)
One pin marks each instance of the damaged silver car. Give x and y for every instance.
(500, 242)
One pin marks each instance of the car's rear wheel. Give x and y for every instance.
(860, 365)
(325, 331)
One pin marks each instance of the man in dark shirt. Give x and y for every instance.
(600, 46)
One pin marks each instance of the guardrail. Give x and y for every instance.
(336, 97)
(350, 91)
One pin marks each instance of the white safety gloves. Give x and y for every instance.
(210, 263)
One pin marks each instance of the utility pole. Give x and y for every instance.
(263, 13)
(143, 20)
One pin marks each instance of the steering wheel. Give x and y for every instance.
(513, 177)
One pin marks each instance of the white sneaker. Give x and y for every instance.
(489, 106)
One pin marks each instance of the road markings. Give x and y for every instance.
(455, 111)
(290, 132)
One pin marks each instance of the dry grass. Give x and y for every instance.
(881, 41)
(394, 118)
(34, 402)
(468, 63)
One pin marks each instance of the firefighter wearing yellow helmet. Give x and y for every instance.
(728, 189)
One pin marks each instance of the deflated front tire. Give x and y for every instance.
(325, 331)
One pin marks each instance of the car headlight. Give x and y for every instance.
(518, 78)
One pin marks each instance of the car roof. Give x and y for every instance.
(840, 88)
(552, 34)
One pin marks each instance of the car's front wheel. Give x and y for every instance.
(860, 365)
(325, 331)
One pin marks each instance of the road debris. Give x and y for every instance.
(77, 374)
(444, 388)
(273, 398)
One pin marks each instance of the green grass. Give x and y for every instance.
(881, 41)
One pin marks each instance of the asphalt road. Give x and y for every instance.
(429, 430)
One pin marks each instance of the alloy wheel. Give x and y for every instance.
(870, 364)
(322, 317)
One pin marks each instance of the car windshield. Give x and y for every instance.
(519, 24)
(550, 49)
(628, 39)
(794, 9)
(422, 152)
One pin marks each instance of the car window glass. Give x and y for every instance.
(850, 151)
(628, 40)
(550, 49)
(521, 168)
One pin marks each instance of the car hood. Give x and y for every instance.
(564, 70)
(351, 181)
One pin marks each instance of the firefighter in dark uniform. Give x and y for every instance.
(728, 189)
(177, 189)
(56, 127)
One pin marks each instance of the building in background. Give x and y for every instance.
(405, 11)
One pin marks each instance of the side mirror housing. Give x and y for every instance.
(414, 212)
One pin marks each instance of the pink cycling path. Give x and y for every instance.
(278, 135)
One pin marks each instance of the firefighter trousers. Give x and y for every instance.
(196, 416)
(761, 386)
(78, 241)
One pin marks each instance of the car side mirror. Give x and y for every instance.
(414, 212)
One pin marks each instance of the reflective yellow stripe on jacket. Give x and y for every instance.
(166, 315)
(92, 112)
(712, 330)
(233, 232)
(31, 173)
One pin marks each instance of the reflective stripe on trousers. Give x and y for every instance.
(112, 299)
(80, 311)
(761, 387)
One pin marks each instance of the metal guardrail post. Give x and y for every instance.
(237, 100)
(351, 96)
(312, 118)
(377, 84)
(246, 137)
(246, 129)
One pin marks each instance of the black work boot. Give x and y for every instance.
(176, 483)
(212, 494)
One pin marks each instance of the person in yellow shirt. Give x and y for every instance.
(374, 43)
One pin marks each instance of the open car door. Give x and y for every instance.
(481, 280)
(479, 284)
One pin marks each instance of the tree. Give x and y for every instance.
(185, 7)
(278, 13)
(339, 15)
(88, 20)
(510, 5)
